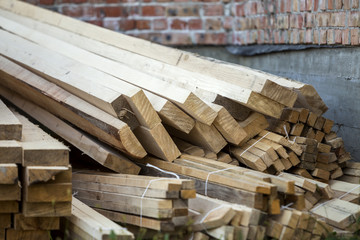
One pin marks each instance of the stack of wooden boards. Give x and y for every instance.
(35, 179)
(118, 99)
(149, 202)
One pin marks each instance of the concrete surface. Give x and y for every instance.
(335, 73)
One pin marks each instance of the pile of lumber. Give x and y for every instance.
(253, 146)
(35, 179)
(159, 204)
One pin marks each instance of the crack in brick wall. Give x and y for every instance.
(226, 22)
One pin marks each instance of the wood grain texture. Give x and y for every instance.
(10, 127)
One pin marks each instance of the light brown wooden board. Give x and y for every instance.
(104, 154)
(8, 173)
(10, 192)
(19, 234)
(10, 127)
(107, 128)
(10, 152)
(35, 223)
(49, 193)
(57, 209)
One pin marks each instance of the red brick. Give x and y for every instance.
(153, 11)
(294, 37)
(241, 24)
(354, 34)
(260, 8)
(69, 1)
(295, 6)
(338, 4)
(240, 38)
(302, 5)
(330, 36)
(182, 11)
(250, 8)
(338, 35)
(251, 37)
(109, 11)
(316, 36)
(239, 10)
(322, 19)
(282, 22)
(330, 5)
(261, 22)
(211, 38)
(296, 21)
(178, 24)
(277, 36)
(337, 19)
(160, 24)
(213, 24)
(323, 37)
(195, 24)
(46, 2)
(78, 11)
(260, 37)
(127, 24)
(267, 38)
(316, 5)
(346, 4)
(345, 37)
(177, 39)
(309, 20)
(271, 7)
(228, 23)
(282, 6)
(308, 36)
(354, 19)
(301, 36)
(213, 10)
(309, 5)
(143, 24)
(322, 5)
(355, 4)
(97, 22)
(288, 6)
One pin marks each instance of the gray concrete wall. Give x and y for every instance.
(335, 73)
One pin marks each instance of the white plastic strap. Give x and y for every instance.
(159, 169)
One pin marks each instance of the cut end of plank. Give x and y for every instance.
(131, 144)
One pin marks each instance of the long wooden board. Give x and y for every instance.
(104, 154)
(8, 173)
(108, 128)
(10, 152)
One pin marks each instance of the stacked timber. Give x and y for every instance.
(257, 143)
(85, 223)
(35, 179)
(153, 203)
(351, 173)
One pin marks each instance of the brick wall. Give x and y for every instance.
(227, 22)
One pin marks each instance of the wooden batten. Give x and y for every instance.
(10, 127)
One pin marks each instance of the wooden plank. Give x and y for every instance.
(303, 114)
(281, 140)
(300, 182)
(228, 126)
(311, 119)
(328, 126)
(20, 234)
(202, 135)
(324, 148)
(149, 223)
(257, 152)
(39, 148)
(5, 220)
(104, 154)
(319, 136)
(290, 115)
(279, 126)
(129, 190)
(319, 123)
(170, 114)
(297, 129)
(223, 232)
(94, 223)
(31, 86)
(336, 173)
(167, 184)
(224, 157)
(9, 206)
(280, 150)
(185, 99)
(188, 148)
(264, 147)
(8, 173)
(249, 159)
(57, 209)
(36, 174)
(35, 223)
(287, 218)
(10, 127)
(274, 229)
(326, 157)
(10, 192)
(10, 152)
(77, 73)
(215, 178)
(253, 125)
(321, 173)
(42, 192)
(293, 158)
(157, 142)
